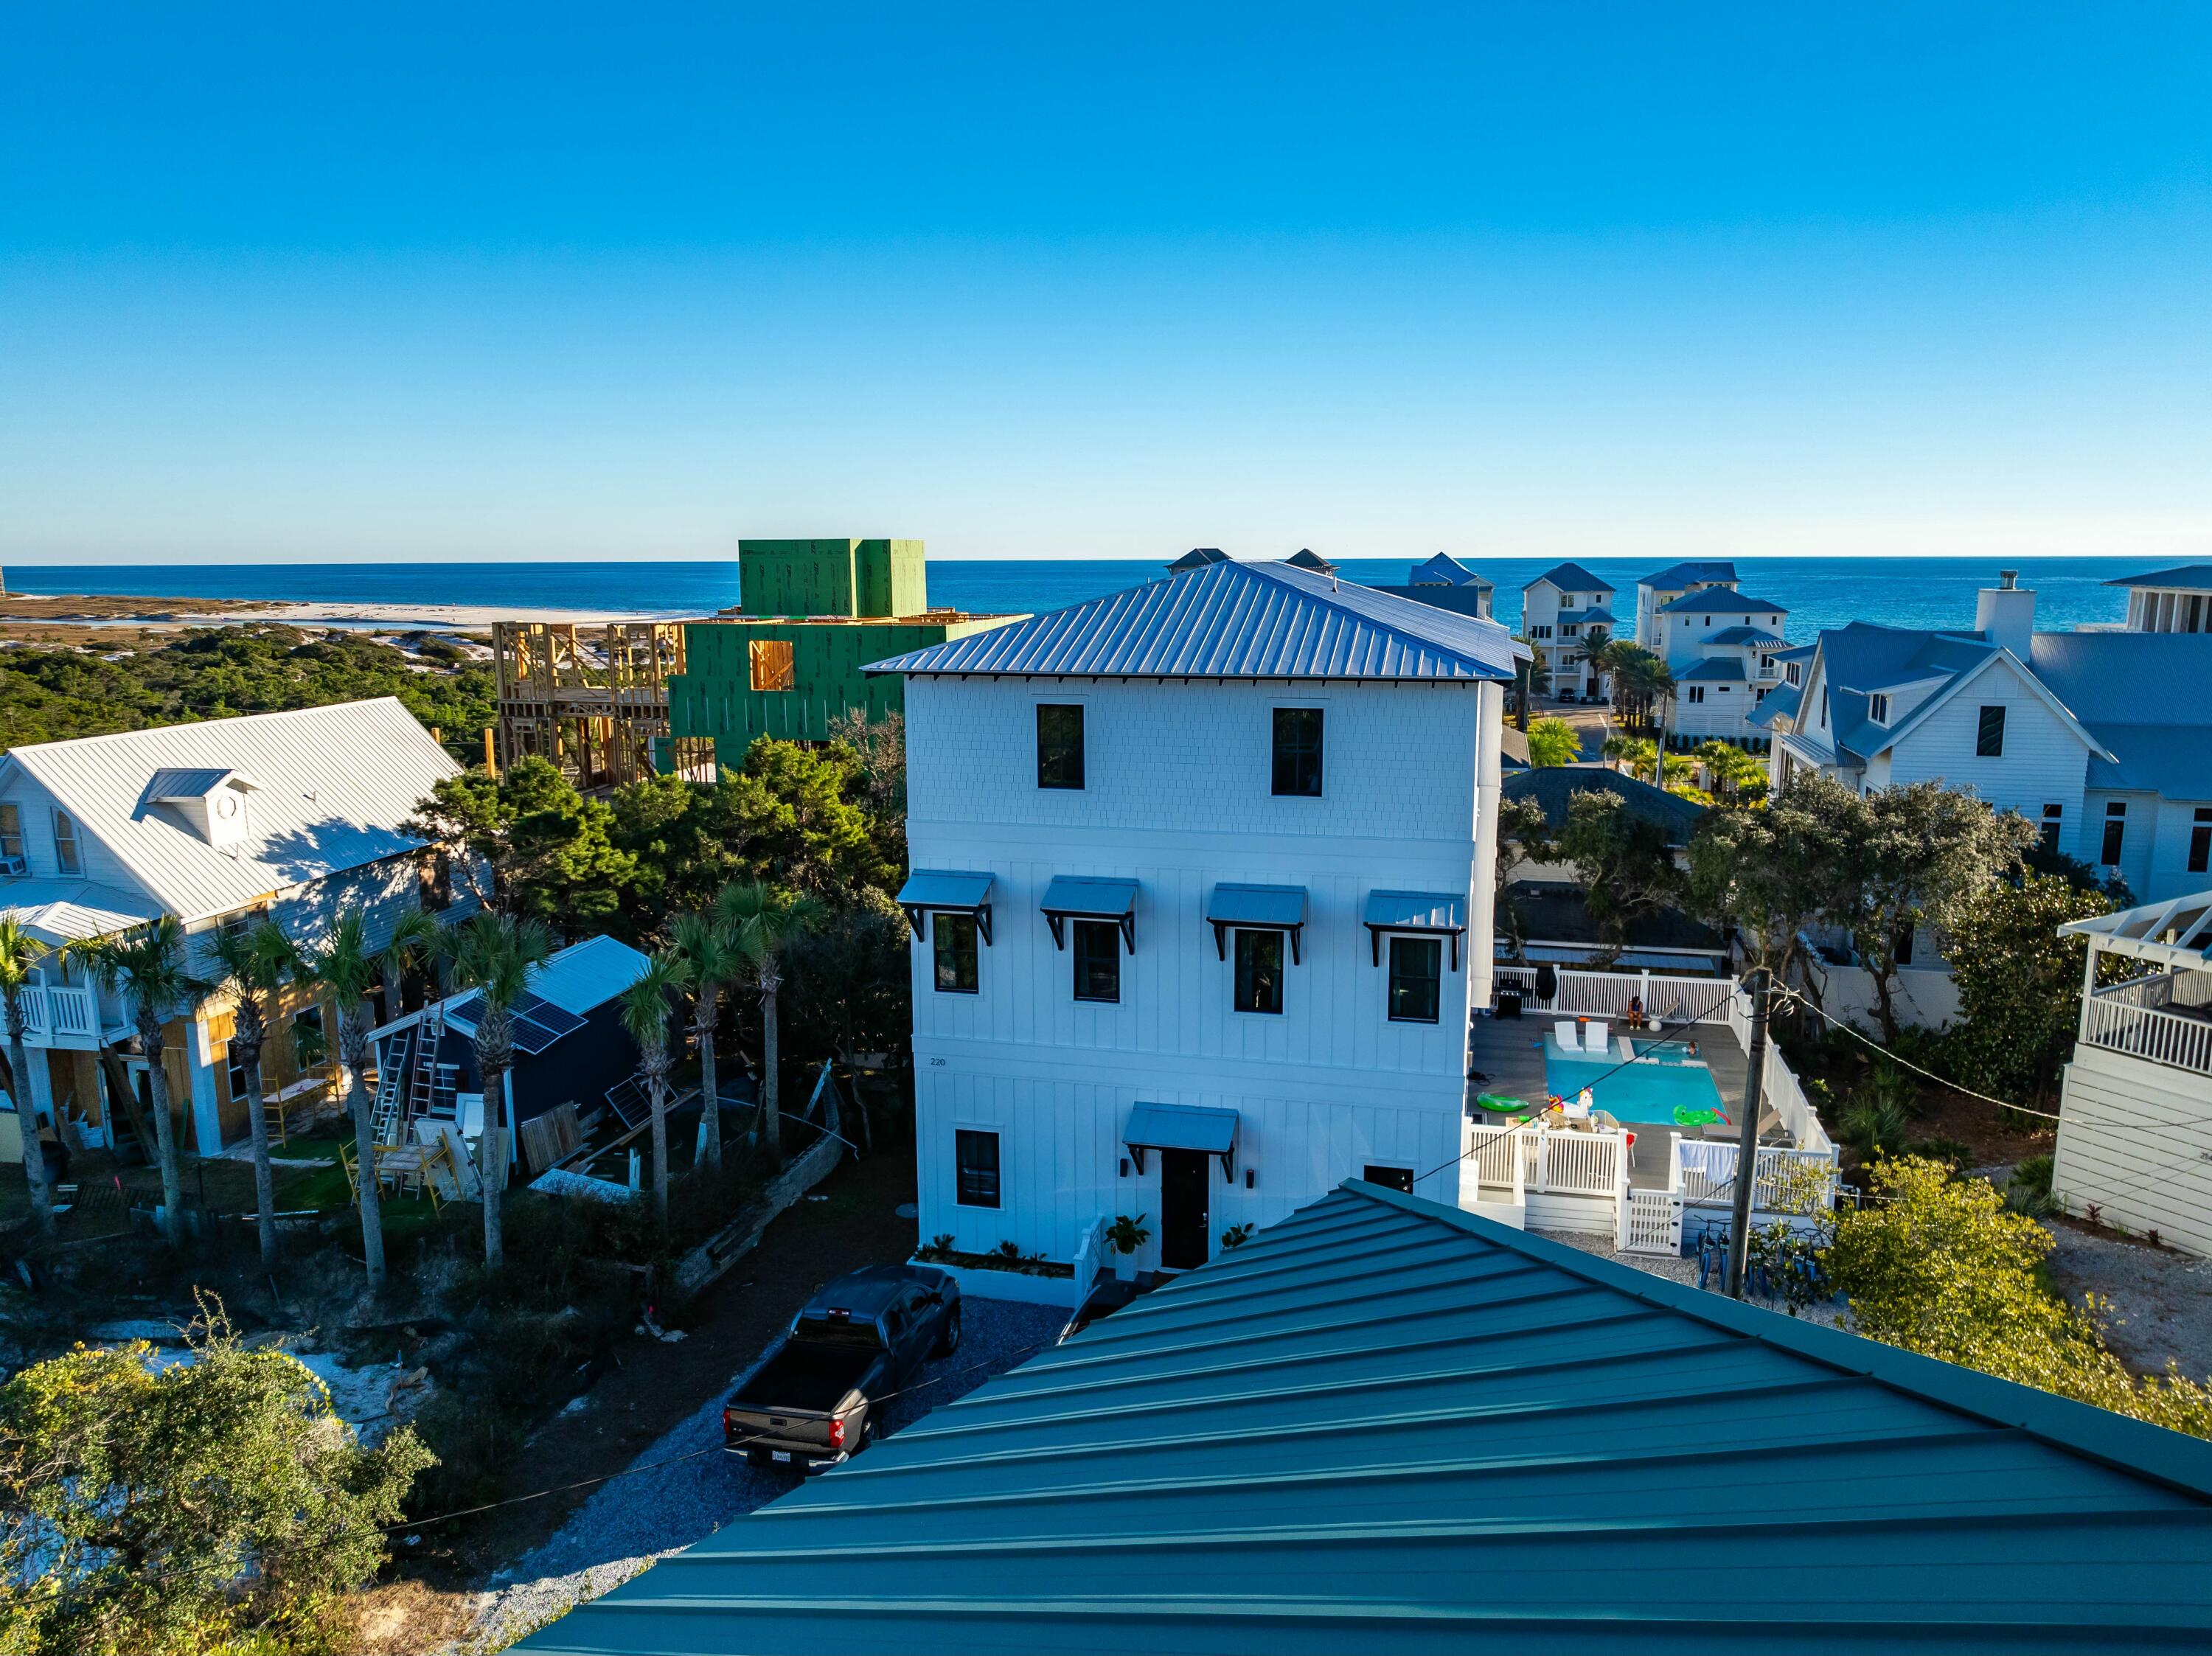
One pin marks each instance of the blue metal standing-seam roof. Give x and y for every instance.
(1714, 670)
(1721, 603)
(1598, 612)
(1445, 570)
(2197, 575)
(933, 887)
(1414, 911)
(1070, 893)
(1687, 574)
(1234, 620)
(1231, 904)
(1744, 635)
(1572, 578)
(1390, 1427)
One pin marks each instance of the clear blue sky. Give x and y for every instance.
(390, 281)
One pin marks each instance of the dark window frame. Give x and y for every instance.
(1238, 996)
(1095, 949)
(973, 1183)
(1060, 762)
(1297, 757)
(1393, 1177)
(2200, 841)
(68, 849)
(1400, 984)
(2116, 834)
(1989, 731)
(945, 944)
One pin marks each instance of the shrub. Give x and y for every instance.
(1942, 1268)
(2028, 1190)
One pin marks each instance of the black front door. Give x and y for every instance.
(1184, 1182)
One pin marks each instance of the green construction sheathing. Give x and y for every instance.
(714, 697)
(846, 578)
(1389, 1427)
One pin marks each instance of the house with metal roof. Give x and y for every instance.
(2169, 600)
(2134, 1113)
(1560, 611)
(293, 816)
(1222, 842)
(1663, 586)
(2058, 727)
(1388, 1426)
(1448, 584)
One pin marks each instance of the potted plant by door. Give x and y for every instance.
(1127, 1235)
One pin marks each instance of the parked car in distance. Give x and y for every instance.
(817, 1399)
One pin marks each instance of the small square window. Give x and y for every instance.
(1060, 744)
(1416, 978)
(1259, 972)
(954, 936)
(976, 1155)
(65, 852)
(1297, 751)
(1989, 735)
(773, 667)
(1097, 951)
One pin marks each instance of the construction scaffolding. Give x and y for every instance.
(594, 699)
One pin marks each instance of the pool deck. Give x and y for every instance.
(1511, 1053)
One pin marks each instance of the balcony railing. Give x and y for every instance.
(57, 1012)
(2120, 1020)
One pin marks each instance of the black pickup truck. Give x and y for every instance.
(815, 1401)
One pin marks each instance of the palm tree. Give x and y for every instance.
(350, 970)
(709, 944)
(255, 965)
(19, 953)
(1530, 677)
(1595, 652)
(766, 921)
(150, 963)
(492, 954)
(645, 1015)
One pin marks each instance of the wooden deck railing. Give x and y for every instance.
(2120, 1023)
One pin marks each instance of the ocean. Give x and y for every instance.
(1817, 592)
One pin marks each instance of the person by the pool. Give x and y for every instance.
(1636, 1012)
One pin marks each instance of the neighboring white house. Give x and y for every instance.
(1557, 610)
(1663, 586)
(2102, 738)
(2169, 600)
(1200, 902)
(293, 815)
(2134, 1117)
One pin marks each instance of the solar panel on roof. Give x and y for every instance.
(536, 1022)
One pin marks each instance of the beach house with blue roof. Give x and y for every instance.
(1663, 586)
(1200, 900)
(2101, 738)
(2169, 600)
(1560, 610)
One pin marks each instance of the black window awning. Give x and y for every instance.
(1083, 897)
(1256, 908)
(1181, 1127)
(952, 891)
(1432, 913)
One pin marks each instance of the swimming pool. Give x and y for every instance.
(1648, 1092)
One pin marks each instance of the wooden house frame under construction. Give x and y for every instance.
(592, 699)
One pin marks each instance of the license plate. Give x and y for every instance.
(783, 1455)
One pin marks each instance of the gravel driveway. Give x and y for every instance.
(633, 1520)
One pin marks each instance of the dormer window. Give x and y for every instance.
(1878, 709)
(210, 800)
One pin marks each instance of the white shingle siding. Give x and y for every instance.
(1177, 797)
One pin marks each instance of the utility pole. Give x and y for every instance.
(1747, 1153)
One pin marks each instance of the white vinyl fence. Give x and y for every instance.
(1605, 994)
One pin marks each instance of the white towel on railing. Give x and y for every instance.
(1714, 1161)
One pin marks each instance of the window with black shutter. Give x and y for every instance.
(1989, 735)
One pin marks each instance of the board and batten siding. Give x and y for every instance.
(2135, 1138)
(1177, 797)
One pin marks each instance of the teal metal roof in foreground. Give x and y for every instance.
(1386, 1426)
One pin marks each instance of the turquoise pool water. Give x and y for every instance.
(1649, 1093)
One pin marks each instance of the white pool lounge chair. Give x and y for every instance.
(1564, 1033)
(1598, 1039)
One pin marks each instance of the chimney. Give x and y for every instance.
(2005, 613)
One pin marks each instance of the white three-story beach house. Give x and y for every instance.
(1200, 900)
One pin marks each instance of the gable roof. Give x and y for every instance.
(1388, 1426)
(1570, 578)
(1233, 621)
(1686, 575)
(1306, 558)
(1597, 614)
(2157, 744)
(1713, 669)
(1197, 558)
(2195, 576)
(1445, 570)
(331, 787)
(1721, 603)
(1553, 785)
